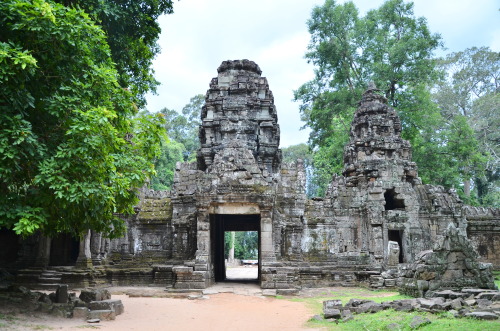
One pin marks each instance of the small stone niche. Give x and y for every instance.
(391, 200)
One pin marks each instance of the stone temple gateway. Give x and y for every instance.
(376, 217)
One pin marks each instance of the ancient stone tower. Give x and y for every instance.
(240, 107)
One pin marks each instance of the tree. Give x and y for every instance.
(182, 130)
(72, 151)
(183, 127)
(245, 243)
(133, 30)
(171, 153)
(390, 47)
(469, 95)
(301, 151)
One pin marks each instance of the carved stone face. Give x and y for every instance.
(240, 107)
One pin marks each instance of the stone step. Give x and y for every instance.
(49, 280)
(48, 287)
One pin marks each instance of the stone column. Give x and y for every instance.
(84, 259)
(43, 253)
(202, 259)
(267, 253)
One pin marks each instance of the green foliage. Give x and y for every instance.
(246, 244)
(183, 127)
(469, 99)
(72, 151)
(381, 320)
(133, 30)
(182, 130)
(394, 49)
(171, 153)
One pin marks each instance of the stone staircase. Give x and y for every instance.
(49, 279)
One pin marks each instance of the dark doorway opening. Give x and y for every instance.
(64, 250)
(397, 236)
(391, 202)
(9, 247)
(219, 225)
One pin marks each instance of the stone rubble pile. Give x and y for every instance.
(476, 303)
(452, 264)
(93, 305)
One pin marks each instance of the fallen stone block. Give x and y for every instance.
(81, 313)
(89, 295)
(332, 313)
(457, 303)
(486, 295)
(346, 315)
(419, 321)
(483, 303)
(369, 307)
(61, 294)
(111, 304)
(482, 315)
(103, 315)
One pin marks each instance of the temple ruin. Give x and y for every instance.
(376, 217)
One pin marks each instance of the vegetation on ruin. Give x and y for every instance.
(448, 107)
(72, 149)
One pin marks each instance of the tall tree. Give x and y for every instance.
(133, 30)
(72, 152)
(182, 130)
(469, 95)
(389, 46)
(183, 127)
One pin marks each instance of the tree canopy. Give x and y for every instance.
(182, 130)
(72, 151)
(132, 31)
(394, 49)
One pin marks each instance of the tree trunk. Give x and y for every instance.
(467, 187)
(231, 249)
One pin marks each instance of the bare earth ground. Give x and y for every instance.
(225, 306)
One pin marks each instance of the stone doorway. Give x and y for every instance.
(64, 250)
(219, 225)
(397, 236)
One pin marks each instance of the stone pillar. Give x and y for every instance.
(43, 253)
(202, 258)
(84, 259)
(267, 253)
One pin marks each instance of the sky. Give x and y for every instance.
(200, 34)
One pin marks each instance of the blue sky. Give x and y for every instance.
(273, 33)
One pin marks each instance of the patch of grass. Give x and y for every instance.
(346, 294)
(8, 318)
(88, 327)
(41, 327)
(496, 275)
(381, 321)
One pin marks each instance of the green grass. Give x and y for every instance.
(380, 320)
(346, 294)
(496, 275)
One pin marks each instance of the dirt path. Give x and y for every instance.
(224, 311)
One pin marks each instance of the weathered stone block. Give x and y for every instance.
(104, 315)
(81, 313)
(111, 304)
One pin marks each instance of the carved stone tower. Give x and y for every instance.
(376, 149)
(240, 107)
